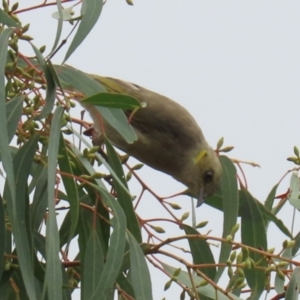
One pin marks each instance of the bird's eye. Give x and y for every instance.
(208, 176)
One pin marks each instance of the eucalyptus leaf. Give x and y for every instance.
(51, 87)
(279, 282)
(2, 236)
(24, 255)
(53, 280)
(294, 191)
(292, 292)
(90, 12)
(124, 198)
(92, 265)
(6, 19)
(201, 252)
(78, 81)
(116, 248)
(254, 235)
(13, 115)
(70, 186)
(113, 100)
(59, 24)
(230, 203)
(139, 272)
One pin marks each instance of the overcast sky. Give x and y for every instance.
(234, 65)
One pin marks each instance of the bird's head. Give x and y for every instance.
(206, 176)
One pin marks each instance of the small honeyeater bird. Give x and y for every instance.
(169, 139)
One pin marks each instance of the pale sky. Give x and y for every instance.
(234, 65)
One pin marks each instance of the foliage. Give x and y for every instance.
(50, 179)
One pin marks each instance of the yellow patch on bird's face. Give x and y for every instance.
(200, 156)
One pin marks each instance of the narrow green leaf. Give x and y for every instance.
(4, 145)
(2, 236)
(207, 291)
(39, 273)
(21, 229)
(276, 209)
(67, 289)
(292, 292)
(70, 186)
(124, 198)
(54, 75)
(37, 170)
(79, 81)
(294, 190)
(201, 252)
(87, 196)
(8, 20)
(17, 279)
(116, 118)
(24, 254)
(51, 87)
(6, 292)
(40, 244)
(269, 213)
(23, 161)
(92, 265)
(270, 216)
(76, 80)
(270, 199)
(13, 115)
(105, 228)
(139, 272)
(230, 205)
(64, 231)
(90, 12)
(53, 268)
(254, 235)
(113, 100)
(39, 203)
(59, 25)
(279, 282)
(116, 247)
(297, 244)
(85, 222)
(6, 275)
(125, 285)
(215, 200)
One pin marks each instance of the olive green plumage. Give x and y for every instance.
(169, 139)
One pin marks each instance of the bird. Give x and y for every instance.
(168, 138)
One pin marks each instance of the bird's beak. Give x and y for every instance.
(201, 197)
